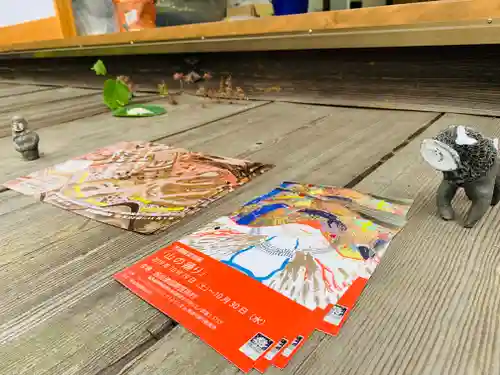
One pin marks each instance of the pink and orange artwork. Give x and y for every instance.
(139, 186)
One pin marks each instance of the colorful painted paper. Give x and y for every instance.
(300, 250)
(231, 312)
(139, 186)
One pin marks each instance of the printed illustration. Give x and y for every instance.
(309, 243)
(139, 186)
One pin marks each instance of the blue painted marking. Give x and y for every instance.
(249, 218)
(247, 272)
(271, 194)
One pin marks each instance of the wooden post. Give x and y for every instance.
(64, 12)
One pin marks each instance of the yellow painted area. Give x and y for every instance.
(140, 199)
(83, 178)
(303, 203)
(385, 206)
(76, 187)
(95, 202)
(78, 191)
(348, 252)
(365, 225)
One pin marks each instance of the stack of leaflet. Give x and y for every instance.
(255, 284)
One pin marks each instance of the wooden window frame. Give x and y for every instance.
(60, 26)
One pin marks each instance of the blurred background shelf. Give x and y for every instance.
(92, 27)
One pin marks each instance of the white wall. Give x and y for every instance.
(13, 12)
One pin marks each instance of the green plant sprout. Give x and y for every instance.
(118, 91)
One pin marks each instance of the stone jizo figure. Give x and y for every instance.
(467, 160)
(25, 140)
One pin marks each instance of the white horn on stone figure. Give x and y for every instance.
(462, 138)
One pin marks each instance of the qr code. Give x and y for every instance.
(291, 348)
(256, 346)
(336, 315)
(276, 349)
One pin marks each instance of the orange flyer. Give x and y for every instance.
(255, 284)
(236, 315)
(336, 315)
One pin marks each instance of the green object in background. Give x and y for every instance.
(99, 68)
(116, 94)
(139, 110)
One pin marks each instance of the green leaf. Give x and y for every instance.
(99, 68)
(139, 110)
(116, 94)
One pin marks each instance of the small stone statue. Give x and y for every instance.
(467, 160)
(25, 140)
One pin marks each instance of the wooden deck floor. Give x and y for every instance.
(432, 307)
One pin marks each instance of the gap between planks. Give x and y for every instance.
(349, 99)
(21, 90)
(311, 99)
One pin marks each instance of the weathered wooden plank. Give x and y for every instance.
(61, 142)
(430, 308)
(75, 285)
(6, 84)
(20, 90)
(61, 111)
(13, 103)
(474, 101)
(54, 113)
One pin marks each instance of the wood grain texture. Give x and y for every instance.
(430, 308)
(41, 109)
(13, 103)
(45, 110)
(462, 80)
(63, 306)
(19, 90)
(32, 31)
(61, 142)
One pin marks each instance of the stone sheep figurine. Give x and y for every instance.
(25, 140)
(467, 160)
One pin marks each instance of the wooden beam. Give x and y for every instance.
(440, 34)
(32, 32)
(64, 11)
(396, 15)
